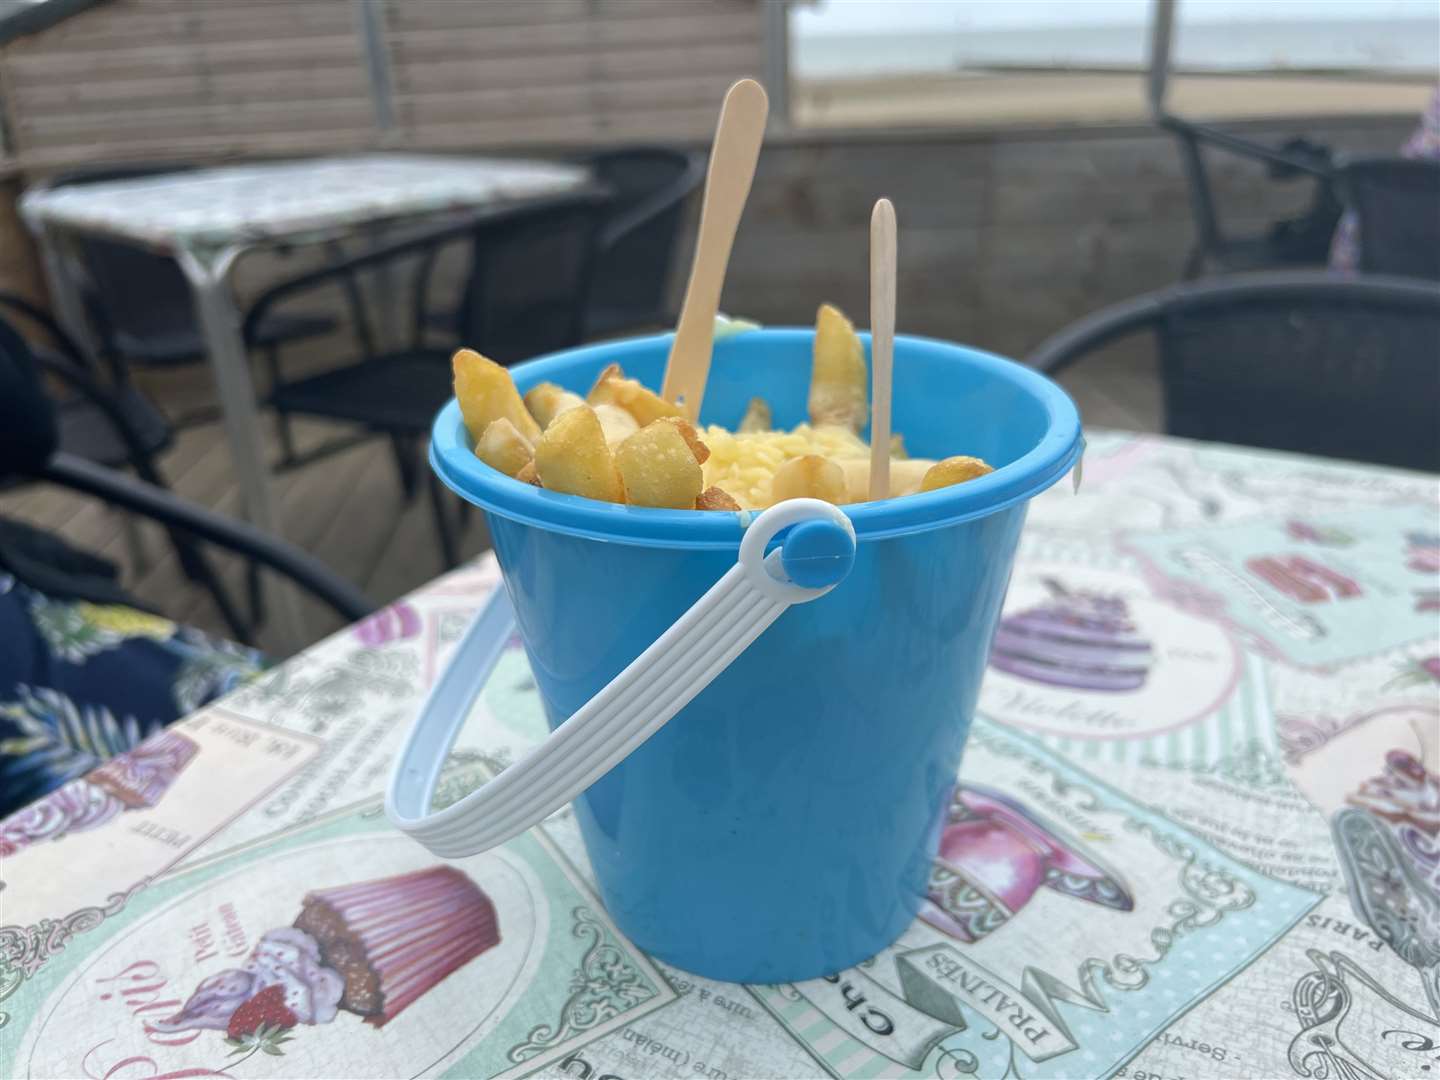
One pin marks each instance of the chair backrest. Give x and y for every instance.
(1296, 241)
(1297, 361)
(1397, 204)
(637, 246)
(28, 430)
(127, 290)
(530, 275)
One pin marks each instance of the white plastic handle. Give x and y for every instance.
(605, 730)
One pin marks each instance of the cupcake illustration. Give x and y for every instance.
(135, 780)
(995, 854)
(1387, 840)
(1405, 795)
(371, 949)
(1080, 640)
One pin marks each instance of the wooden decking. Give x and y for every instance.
(349, 509)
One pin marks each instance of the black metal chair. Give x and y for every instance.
(524, 294)
(163, 507)
(34, 453)
(139, 303)
(1397, 208)
(114, 426)
(117, 427)
(635, 252)
(1299, 361)
(1295, 242)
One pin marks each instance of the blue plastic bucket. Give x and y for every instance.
(782, 825)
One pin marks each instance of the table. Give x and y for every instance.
(208, 219)
(1212, 839)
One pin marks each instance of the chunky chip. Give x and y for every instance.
(659, 467)
(757, 416)
(953, 470)
(809, 477)
(617, 424)
(690, 435)
(646, 406)
(905, 477)
(608, 372)
(839, 379)
(573, 457)
(503, 448)
(714, 498)
(486, 393)
(546, 401)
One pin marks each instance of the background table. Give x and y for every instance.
(1211, 838)
(207, 219)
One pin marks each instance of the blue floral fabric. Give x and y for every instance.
(81, 682)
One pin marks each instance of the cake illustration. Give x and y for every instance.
(1422, 552)
(995, 854)
(135, 780)
(1302, 579)
(1324, 535)
(1080, 640)
(395, 622)
(371, 949)
(140, 777)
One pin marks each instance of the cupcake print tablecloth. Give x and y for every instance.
(1196, 834)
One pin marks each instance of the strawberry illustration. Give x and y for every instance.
(261, 1023)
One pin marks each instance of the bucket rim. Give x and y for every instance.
(1039, 468)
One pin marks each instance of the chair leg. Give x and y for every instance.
(254, 594)
(242, 631)
(1194, 264)
(135, 552)
(405, 452)
(192, 563)
(282, 418)
(449, 545)
(192, 560)
(288, 457)
(198, 569)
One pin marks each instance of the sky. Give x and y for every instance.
(859, 16)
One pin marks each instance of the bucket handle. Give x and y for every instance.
(814, 557)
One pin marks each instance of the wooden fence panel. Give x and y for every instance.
(566, 71)
(201, 79)
(147, 79)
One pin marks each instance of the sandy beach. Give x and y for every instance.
(1064, 98)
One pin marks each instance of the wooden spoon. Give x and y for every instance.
(727, 184)
(882, 343)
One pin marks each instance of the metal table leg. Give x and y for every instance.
(64, 293)
(219, 320)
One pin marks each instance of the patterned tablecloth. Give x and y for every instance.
(1197, 834)
(208, 209)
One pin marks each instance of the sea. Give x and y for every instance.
(1383, 46)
